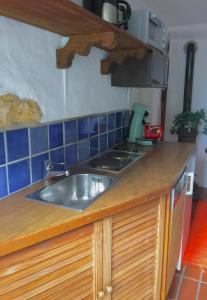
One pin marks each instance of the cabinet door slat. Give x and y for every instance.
(135, 245)
(60, 268)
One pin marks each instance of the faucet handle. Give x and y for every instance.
(50, 165)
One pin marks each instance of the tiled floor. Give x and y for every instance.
(189, 284)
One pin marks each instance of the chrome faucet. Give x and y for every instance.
(51, 171)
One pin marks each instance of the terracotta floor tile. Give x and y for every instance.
(192, 272)
(174, 286)
(204, 276)
(203, 292)
(188, 290)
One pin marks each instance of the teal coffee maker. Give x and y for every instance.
(139, 111)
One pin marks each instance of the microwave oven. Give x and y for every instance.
(148, 28)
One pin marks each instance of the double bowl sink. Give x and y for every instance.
(78, 191)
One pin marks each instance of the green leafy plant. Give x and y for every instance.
(189, 122)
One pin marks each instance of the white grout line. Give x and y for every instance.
(199, 285)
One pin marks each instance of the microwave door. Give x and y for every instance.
(155, 34)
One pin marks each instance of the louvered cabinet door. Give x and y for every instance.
(175, 236)
(136, 252)
(64, 267)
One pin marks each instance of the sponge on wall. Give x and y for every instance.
(14, 110)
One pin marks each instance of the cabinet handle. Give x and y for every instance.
(190, 191)
(109, 289)
(100, 295)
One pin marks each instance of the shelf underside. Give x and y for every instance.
(68, 19)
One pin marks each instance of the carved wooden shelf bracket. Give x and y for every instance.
(82, 44)
(119, 56)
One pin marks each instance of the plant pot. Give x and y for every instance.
(187, 136)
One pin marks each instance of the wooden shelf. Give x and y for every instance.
(85, 29)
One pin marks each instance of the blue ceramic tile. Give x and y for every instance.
(103, 142)
(93, 125)
(56, 135)
(93, 146)
(17, 144)
(19, 175)
(118, 136)
(3, 182)
(83, 129)
(38, 170)
(111, 121)
(83, 150)
(71, 155)
(2, 149)
(57, 156)
(124, 133)
(118, 119)
(70, 131)
(125, 118)
(102, 123)
(39, 139)
(110, 139)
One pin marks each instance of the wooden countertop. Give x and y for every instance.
(24, 222)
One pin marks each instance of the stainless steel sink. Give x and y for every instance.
(76, 191)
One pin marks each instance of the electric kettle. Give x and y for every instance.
(117, 12)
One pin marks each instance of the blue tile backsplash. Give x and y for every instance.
(19, 175)
(94, 146)
(23, 151)
(3, 182)
(2, 149)
(118, 119)
(102, 123)
(37, 164)
(83, 150)
(103, 142)
(56, 135)
(17, 144)
(83, 129)
(93, 125)
(71, 155)
(111, 121)
(39, 139)
(70, 131)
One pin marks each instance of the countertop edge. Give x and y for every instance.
(14, 245)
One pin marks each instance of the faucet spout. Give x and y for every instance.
(53, 171)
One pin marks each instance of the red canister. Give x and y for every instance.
(153, 131)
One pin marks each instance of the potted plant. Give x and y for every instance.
(186, 125)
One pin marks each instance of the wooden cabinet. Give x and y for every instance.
(119, 257)
(175, 236)
(60, 268)
(133, 245)
(175, 229)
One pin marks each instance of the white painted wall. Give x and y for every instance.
(150, 97)
(28, 69)
(176, 89)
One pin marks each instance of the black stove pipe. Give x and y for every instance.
(190, 49)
